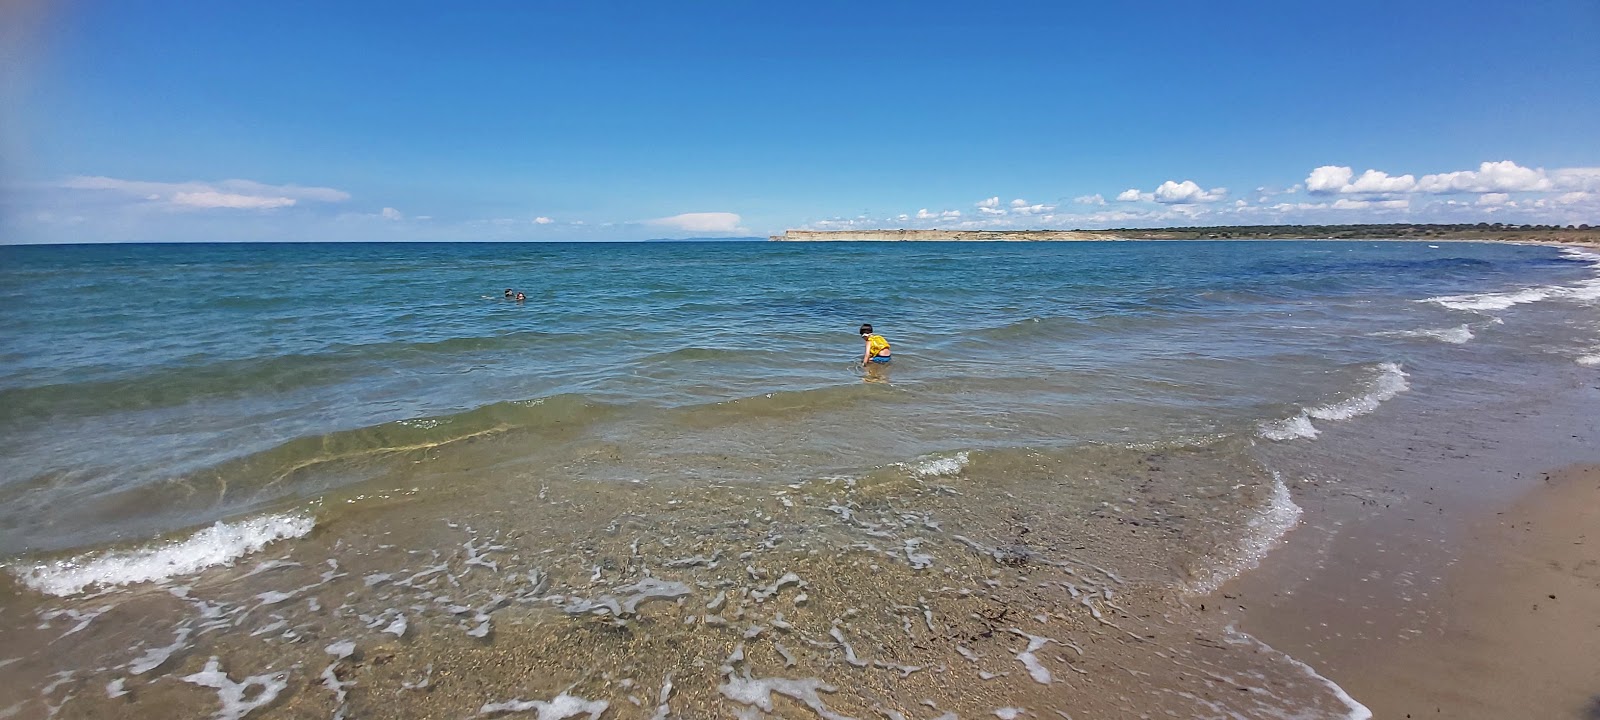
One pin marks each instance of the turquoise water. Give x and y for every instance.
(1131, 406)
(127, 365)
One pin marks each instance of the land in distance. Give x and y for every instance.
(1574, 234)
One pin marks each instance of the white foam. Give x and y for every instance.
(1584, 291)
(1262, 533)
(1290, 428)
(938, 467)
(1389, 381)
(560, 707)
(219, 544)
(1457, 335)
(1036, 670)
(757, 692)
(1354, 710)
(232, 694)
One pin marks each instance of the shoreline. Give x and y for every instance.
(1433, 596)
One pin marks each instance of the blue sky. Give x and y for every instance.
(187, 121)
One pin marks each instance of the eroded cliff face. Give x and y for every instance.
(940, 235)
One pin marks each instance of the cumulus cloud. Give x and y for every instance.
(1502, 177)
(711, 222)
(1019, 202)
(542, 220)
(1186, 192)
(390, 213)
(1133, 195)
(991, 210)
(993, 202)
(1493, 199)
(227, 194)
(1095, 199)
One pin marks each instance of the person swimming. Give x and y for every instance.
(510, 293)
(877, 347)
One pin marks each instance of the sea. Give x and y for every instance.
(357, 481)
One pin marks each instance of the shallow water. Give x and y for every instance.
(660, 482)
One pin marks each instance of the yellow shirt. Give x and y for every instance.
(876, 345)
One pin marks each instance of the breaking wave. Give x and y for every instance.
(219, 544)
(1389, 381)
(1583, 291)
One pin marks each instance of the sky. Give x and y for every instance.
(312, 121)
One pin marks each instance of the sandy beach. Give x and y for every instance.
(1470, 589)
(1520, 634)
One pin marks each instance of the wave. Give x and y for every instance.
(1262, 533)
(1354, 710)
(178, 385)
(1583, 291)
(1389, 381)
(1457, 335)
(1591, 358)
(292, 470)
(939, 466)
(219, 544)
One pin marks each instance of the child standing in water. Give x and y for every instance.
(877, 347)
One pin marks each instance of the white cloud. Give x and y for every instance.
(712, 222)
(1490, 177)
(950, 214)
(1132, 195)
(542, 220)
(1584, 179)
(1036, 209)
(227, 194)
(1492, 199)
(1019, 202)
(390, 213)
(991, 210)
(1355, 204)
(923, 214)
(1500, 177)
(1328, 179)
(213, 199)
(1095, 199)
(993, 202)
(1187, 192)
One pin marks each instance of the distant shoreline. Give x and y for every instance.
(1580, 235)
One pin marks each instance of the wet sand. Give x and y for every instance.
(1465, 589)
(1520, 634)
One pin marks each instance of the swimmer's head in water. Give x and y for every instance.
(866, 330)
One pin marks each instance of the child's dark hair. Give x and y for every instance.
(866, 329)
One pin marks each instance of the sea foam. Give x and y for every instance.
(219, 544)
(939, 466)
(1354, 710)
(1584, 291)
(1389, 381)
(1457, 335)
(1262, 533)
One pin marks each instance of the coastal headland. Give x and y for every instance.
(1569, 234)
